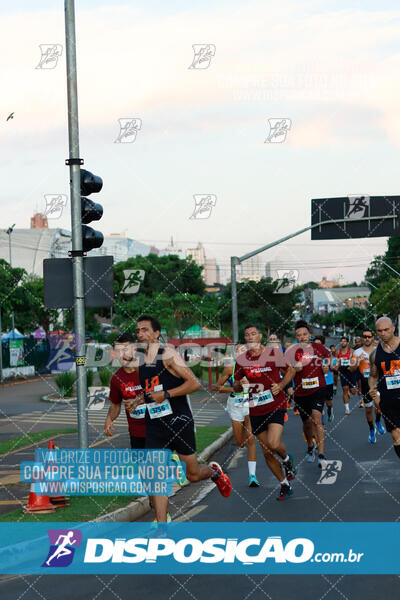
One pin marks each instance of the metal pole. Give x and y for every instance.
(235, 326)
(1, 352)
(9, 250)
(76, 223)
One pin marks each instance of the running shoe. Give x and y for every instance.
(295, 411)
(347, 411)
(155, 522)
(253, 481)
(221, 480)
(182, 479)
(380, 427)
(361, 405)
(331, 417)
(290, 471)
(310, 457)
(372, 436)
(286, 491)
(321, 462)
(334, 389)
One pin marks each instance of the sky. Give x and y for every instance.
(330, 68)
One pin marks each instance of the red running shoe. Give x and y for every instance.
(221, 480)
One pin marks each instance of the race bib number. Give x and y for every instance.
(345, 362)
(262, 398)
(393, 383)
(159, 409)
(241, 399)
(366, 373)
(139, 412)
(308, 384)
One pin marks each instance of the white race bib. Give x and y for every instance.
(393, 382)
(262, 398)
(241, 399)
(344, 362)
(139, 412)
(159, 409)
(310, 383)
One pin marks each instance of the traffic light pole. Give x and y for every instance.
(76, 223)
(236, 261)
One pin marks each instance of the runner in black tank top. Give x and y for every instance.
(384, 379)
(166, 381)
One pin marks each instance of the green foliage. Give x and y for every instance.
(89, 378)
(386, 266)
(386, 299)
(105, 374)
(259, 304)
(65, 382)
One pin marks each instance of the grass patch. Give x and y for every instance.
(207, 435)
(20, 441)
(82, 508)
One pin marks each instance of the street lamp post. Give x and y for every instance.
(9, 232)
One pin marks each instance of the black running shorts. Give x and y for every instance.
(306, 404)
(137, 442)
(174, 432)
(259, 423)
(391, 415)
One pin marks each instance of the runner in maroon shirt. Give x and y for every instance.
(311, 361)
(125, 383)
(261, 367)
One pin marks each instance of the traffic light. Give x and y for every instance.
(90, 211)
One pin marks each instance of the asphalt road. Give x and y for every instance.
(365, 486)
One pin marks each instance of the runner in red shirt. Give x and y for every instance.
(125, 383)
(311, 362)
(261, 367)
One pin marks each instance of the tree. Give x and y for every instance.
(381, 267)
(386, 299)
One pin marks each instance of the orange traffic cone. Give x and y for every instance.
(38, 504)
(57, 501)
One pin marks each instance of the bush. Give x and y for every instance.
(65, 382)
(89, 378)
(105, 374)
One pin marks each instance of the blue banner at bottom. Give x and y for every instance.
(213, 548)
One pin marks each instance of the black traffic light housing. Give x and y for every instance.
(90, 211)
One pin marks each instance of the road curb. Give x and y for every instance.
(141, 506)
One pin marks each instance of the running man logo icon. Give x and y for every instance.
(357, 207)
(286, 279)
(278, 129)
(203, 205)
(330, 471)
(97, 397)
(62, 550)
(133, 279)
(50, 55)
(203, 54)
(128, 128)
(55, 204)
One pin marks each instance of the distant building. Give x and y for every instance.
(251, 269)
(172, 249)
(326, 284)
(336, 299)
(39, 221)
(210, 267)
(121, 248)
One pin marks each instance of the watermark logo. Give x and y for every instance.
(329, 472)
(97, 397)
(278, 129)
(128, 128)
(203, 54)
(55, 204)
(357, 207)
(286, 280)
(50, 53)
(203, 205)
(133, 279)
(62, 547)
